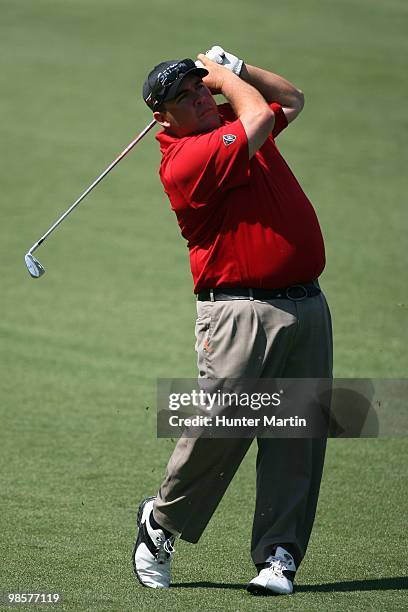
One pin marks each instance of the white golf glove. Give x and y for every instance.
(218, 55)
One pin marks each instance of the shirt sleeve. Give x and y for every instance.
(280, 119)
(205, 165)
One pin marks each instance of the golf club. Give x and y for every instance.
(34, 267)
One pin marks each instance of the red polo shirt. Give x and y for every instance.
(247, 222)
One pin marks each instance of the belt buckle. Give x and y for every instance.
(296, 299)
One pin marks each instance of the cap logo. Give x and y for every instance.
(162, 76)
(229, 139)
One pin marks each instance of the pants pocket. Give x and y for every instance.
(203, 330)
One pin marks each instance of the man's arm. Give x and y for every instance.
(275, 88)
(248, 103)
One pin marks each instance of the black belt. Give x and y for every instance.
(294, 292)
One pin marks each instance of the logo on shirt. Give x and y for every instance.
(229, 139)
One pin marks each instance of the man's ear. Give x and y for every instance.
(161, 118)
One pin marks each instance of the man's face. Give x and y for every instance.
(192, 111)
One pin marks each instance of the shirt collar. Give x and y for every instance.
(166, 140)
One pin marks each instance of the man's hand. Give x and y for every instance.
(216, 74)
(230, 61)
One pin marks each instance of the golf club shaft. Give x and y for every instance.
(96, 181)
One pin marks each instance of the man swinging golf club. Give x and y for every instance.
(256, 252)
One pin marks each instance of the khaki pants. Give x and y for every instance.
(253, 339)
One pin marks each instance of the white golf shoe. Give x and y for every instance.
(152, 550)
(276, 578)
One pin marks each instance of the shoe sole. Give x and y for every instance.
(138, 522)
(256, 589)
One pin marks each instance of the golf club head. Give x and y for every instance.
(34, 267)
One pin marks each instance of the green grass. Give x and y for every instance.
(81, 349)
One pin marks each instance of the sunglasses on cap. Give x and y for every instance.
(164, 80)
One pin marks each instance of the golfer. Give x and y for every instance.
(256, 252)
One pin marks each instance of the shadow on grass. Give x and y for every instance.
(378, 584)
(207, 585)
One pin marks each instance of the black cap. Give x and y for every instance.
(164, 80)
